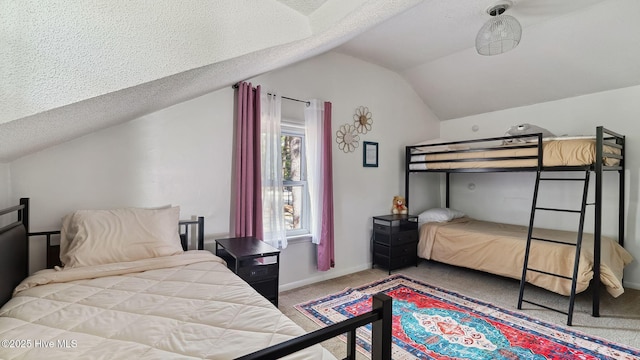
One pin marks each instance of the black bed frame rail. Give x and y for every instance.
(13, 265)
(380, 318)
(184, 226)
(537, 144)
(413, 151)
(23, 217)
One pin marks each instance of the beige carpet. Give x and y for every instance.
(619, 319)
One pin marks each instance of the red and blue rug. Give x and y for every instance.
(433, 323)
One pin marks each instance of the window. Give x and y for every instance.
(295, 192)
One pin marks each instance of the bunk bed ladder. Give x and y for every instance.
(578, 243)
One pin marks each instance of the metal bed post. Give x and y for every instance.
(407, 157)
(380, 317)
(621, 190)
(200, 232)
(597, 231)
(23, 215)
(448, 174)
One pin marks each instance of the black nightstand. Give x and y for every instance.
(255, 261)
(395, 241)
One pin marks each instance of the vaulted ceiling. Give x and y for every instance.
(568, 48)
(72, 69)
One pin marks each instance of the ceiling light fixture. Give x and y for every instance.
(501, 33)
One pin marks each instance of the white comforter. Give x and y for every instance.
(187, 306)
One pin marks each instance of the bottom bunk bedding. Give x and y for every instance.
(187, 306)
(499, 249)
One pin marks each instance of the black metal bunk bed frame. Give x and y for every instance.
(603, 137)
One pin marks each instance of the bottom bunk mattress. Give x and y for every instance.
(187, 306)
(499, 249)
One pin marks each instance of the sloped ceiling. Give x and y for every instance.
(568, 48)
(72, 69)
(75, 68)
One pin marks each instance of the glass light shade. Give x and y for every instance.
(498, 35)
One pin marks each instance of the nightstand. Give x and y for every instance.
(255, 261)
(395, 241)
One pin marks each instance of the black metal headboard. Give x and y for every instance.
(14, 245)
(14, 250)
(183, 229)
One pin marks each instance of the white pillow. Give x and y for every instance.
(95, 237)
(439, 215)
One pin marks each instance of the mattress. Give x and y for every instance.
(187, 306)
(567, 152)
(499, 249)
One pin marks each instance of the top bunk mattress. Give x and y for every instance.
(566, 152)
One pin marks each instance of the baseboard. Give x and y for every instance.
(322, 276)
(631, 285)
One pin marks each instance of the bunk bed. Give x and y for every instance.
(175, 303)
(481, 245)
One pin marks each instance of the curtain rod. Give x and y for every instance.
(308, 103)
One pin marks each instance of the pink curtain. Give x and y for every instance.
(326, 256)
(248, 195)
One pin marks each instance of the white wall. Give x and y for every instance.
(178, 156)
(507, 197)
(399, 118)
(182, 155)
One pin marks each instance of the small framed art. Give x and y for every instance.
(370, 154)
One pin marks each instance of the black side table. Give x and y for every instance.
(395, 241)
(255, 261)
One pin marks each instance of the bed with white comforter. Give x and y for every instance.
(183, 306)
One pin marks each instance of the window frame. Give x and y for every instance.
(294, 128)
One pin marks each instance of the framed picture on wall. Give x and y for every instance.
(370, 154)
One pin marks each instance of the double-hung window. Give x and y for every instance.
(294, 175)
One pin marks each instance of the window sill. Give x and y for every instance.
(298, 239)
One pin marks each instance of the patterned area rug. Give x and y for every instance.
(433, 323)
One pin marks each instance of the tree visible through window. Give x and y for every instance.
(294, 181)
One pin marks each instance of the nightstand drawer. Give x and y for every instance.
(394, 262)
(409, 249)
(258, 271)
(402, 226)
(397, 238)
(382, 228)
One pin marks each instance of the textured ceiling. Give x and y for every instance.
(73, 70)
(305, 7)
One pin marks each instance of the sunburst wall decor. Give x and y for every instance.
(362, 119)
(347, 138)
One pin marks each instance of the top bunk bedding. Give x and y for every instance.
(524, 151)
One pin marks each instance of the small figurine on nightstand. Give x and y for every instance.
(399, 206)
